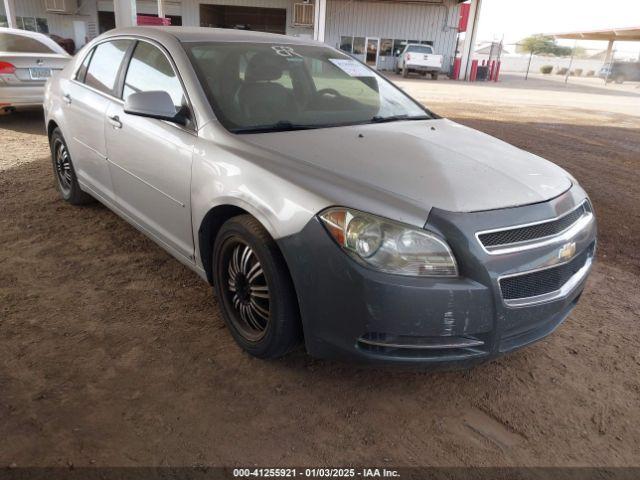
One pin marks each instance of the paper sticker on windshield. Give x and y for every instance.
(351, 67)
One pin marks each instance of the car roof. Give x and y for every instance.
(38, 36)
(205, 34)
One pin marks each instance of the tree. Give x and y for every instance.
(544, 45)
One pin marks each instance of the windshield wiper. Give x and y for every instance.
(397, 118)
(281, 126)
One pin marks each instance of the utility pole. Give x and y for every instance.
(573, 52)
(529, 66)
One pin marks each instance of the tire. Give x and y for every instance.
(619, 79)
(405, 72)
(245, 295)
(64, 173)
(434, 75)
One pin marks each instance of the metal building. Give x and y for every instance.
(371, 30)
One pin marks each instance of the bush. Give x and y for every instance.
(591, 73)
(562, 71)
(546, 69)
(578, 72)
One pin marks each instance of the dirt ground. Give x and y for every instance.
(114, 354)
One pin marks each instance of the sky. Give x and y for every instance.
(516, 19)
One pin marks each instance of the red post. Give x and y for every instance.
(456, 69)
(474, 70)
(491, 69)
(497, 72)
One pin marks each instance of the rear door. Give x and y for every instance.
(150, 159)
(86, 100)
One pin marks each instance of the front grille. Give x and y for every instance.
(543, 281)
(533, 232)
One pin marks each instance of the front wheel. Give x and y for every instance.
(405, 72)
(254, 289)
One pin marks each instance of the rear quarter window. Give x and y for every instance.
(10, 42)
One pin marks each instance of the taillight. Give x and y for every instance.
(6, 67)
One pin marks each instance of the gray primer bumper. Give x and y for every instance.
(341, 301)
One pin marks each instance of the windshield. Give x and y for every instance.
(254, 87)
(419, 49)
(10, 42)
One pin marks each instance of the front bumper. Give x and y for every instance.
(353, 312)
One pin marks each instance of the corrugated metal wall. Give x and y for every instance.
(59, 24)
(428, 22)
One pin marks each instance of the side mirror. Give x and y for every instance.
(154, 104)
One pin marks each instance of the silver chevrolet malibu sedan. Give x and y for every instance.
(324, 205)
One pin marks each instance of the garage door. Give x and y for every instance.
(272, 20)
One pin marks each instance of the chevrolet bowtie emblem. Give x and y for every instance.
(567, 251)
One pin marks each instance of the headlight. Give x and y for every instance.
(389, 246)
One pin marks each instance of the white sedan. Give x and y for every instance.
(27, 60)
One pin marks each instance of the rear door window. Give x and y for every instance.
(10, 42)
(102, 73)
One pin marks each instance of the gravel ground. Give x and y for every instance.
(112, 353)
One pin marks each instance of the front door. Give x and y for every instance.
(373, 46)
(150, 159)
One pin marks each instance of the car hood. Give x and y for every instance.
(432, 163)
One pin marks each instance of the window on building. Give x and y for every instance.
(358, 45)
(426, 42)
(150, 70)
(398, 47)
(105, 63)
(42, 25)
(3, 21)
(413, 41)
(32, 24)
(346, 44)
(386, 47)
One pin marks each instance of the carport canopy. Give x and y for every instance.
(611, 35)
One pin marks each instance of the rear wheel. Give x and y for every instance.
(434, 75)
(64, 172)
(254, 289)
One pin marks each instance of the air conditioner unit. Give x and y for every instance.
(303, 14)
(64, 7)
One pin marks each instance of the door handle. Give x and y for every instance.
(115, 121)
(67, 98)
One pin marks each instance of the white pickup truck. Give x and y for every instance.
(419, 58)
